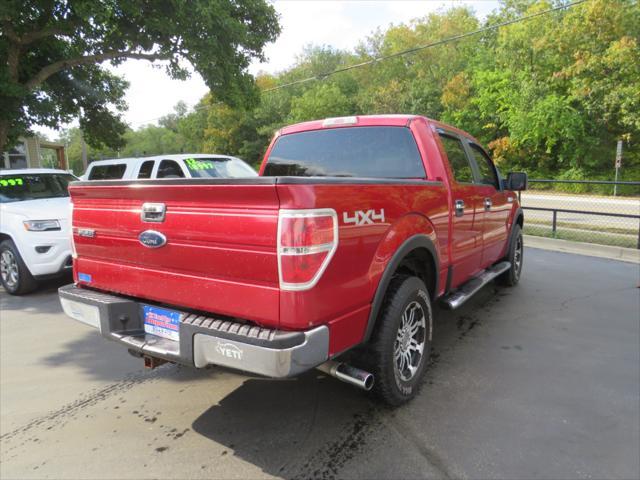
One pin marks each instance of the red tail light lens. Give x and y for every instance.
(74, 254)
(307, 239)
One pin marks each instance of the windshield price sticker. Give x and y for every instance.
(11, 182)
(194, 164)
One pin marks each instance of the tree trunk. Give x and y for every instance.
(4, 133)
(84, 154)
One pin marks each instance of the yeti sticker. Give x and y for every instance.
(229, 350)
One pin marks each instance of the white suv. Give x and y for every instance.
(34, 227)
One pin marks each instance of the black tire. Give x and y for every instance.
(15, 276)
(405, 293)
(515, 256)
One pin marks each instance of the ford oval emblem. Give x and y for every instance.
(152, 239)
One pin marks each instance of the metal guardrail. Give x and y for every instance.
(554, 221)
(603, 226)
(586, 182)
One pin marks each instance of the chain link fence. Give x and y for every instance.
(585, 216)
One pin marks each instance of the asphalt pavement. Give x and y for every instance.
(537, 381)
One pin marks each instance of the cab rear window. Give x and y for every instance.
(376, 152)
(107, 172)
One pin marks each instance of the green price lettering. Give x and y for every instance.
(194, 164)
(10, 182)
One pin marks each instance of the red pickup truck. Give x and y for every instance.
(355, 226)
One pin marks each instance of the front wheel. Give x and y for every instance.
(14, 274)
(401, 344)
(515, 256)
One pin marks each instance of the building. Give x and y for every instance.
(33, 152)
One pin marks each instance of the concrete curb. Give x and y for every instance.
(631, 255)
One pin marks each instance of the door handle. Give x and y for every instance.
(459, 207)
(153, 212)
(488, 204)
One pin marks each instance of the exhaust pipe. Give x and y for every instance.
(348, 374)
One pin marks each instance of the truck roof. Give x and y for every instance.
(396, 120)
(30, 171)
(172, 156)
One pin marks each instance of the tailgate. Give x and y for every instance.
(220, 248)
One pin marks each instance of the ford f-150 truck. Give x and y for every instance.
(338, 250)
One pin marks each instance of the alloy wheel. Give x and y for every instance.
(9, 268)
(517, 256)
(410, 341)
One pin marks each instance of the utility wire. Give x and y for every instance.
(409, 51)
(401, 53)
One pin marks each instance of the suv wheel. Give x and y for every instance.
(515, 256)
(401, 344)
(14, 274)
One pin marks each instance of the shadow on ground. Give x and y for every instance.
(98, 358)
(39, 301)
(105, 360)
(279, 426)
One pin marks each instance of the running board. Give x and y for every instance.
(469, 289)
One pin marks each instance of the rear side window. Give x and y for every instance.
(378, 152)
(169, 169)
(145, 169)
(107, 172)
(458, 159)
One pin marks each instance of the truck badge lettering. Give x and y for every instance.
(229, 350)
(86, 232)
(152, 239)
(360, 217)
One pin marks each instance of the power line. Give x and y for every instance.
(453, 38)
(401, 53)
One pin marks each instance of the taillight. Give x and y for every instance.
(73, 243)
(307, 239)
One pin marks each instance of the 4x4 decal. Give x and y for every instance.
(360, 217)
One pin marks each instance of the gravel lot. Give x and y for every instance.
(539, 381)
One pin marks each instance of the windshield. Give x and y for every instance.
(18, 188)
(217, 167)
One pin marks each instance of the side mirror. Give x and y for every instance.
(516, 181)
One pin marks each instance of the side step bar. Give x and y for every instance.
(465, 292)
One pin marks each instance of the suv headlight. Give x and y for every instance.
(41, 225)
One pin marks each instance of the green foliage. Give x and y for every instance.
(325, 100)
(51, 55)
(551, 95)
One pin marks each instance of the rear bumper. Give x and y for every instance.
(202, 340)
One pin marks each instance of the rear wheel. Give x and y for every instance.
(515, 256)
(14, 274)
(401, 343)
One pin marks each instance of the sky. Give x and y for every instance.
(337, 23)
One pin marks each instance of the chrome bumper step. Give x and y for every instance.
(463, 293)
(203, 340)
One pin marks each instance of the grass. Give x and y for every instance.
(561, 224)
(587, 236)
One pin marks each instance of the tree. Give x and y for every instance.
(172, 120)
(550, 95)
(326, 100)
(52, 55)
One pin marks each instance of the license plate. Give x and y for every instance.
(162, 322)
